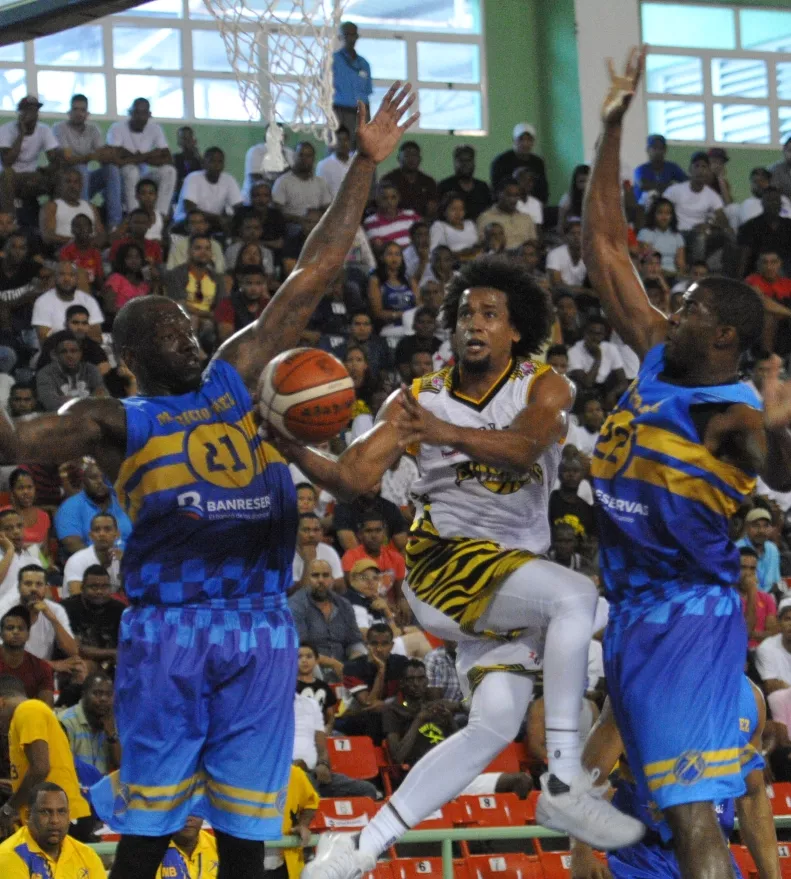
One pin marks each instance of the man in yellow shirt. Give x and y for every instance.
(301, 804)
(43, 848)
(192, 853)
(39, 751)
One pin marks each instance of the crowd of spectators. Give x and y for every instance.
(89, 222)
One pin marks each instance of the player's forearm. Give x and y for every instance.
(756, 826)
(35, 775)
(64, 640)
(505, 449)
(777, 471)
(603, 218)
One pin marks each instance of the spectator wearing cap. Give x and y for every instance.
(475, 193)
(416, 190)
(21, 146)
(654, 177)
(521, 156)
(718, 174)
(369, 606)
(351, 79)
(781, 170)
(518, 227)
(760, 608)
(757, 527)
(373, 547)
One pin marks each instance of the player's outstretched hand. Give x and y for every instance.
(417, 425)
(622, 86)
(777, 397)
(377, 139)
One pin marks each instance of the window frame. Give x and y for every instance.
(707, 96)
(188, 74)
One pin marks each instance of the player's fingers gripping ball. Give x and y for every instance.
(306, 395)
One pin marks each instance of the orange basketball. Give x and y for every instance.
(306, 394)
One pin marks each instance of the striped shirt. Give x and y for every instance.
(385, 229)
(87, 743)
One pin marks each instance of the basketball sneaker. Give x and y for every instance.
(337, 857)
(582, 811)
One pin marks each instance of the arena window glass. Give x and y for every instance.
(171, 52)
(713, 74)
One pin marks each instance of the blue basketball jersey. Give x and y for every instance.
(663, 500)
(213, 505)
(628, 799)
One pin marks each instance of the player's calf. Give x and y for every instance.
(701, 849)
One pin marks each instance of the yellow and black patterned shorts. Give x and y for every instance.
(458, 575)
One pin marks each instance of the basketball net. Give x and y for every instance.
(292, 85)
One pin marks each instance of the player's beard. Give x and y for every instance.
(477, 367)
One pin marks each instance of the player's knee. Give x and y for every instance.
(692, 821)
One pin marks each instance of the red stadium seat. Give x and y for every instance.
(353, 756)
(505, 866)
(510, 759)
(784, 855)
(489, 810)
(350, 813)
(416, 868)
(442, 819)
(744, 861)
(528, 807)
(381, 871)
(556, 865)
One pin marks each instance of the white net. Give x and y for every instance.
(281, 53)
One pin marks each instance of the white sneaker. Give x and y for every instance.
(582, 812)
(337, 857)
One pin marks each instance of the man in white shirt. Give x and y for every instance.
(333, 168)
(254, 169)
(21, 145)
(528, 203)
(585, 434)
(760, 179)
(696, 203)
(212, 190)
(299, 193)
(310, 752)
(773, 656)
(102, 551)
(309, 547)
(565, 267)
(49, 623)
(49, 310)
(596, 365)
(14, 556)
(145, 153)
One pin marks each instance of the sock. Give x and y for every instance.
(239, 857)
(382, 832)
(563, 753)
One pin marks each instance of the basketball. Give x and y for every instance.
(306, 394)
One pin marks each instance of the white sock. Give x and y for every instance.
(382, 832)
(563, 753)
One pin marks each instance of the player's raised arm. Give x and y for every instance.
(95, 427)
(604, 228)
(285, 318)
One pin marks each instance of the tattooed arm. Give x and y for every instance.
(282, 322)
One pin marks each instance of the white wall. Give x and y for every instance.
(608, 28)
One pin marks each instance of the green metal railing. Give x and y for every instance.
(447, 837)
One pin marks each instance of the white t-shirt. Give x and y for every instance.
(693, 208)
(307, 722)
(582, 438)
(455, 239)
(254, 164)
(11, 579)
(152, 137)
(631, 362)
(42, 633)
(214, 198)
(533, 208)
(397, 484)
(581, 358)
(752, 207)
(297, 196)
(324, 552)
(571, 273)
(773, 660)
(80, 561)
(33, 145)
(49, 310)
(595, 663)
(332, 170)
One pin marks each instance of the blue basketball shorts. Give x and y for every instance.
(674, 673)
(204, 705)
(643, 861)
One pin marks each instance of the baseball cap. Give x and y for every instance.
(29, 101)
(719, 153)
(656, 140)
(524, 128)
(757, 514)
(699, 156)
(364, 565)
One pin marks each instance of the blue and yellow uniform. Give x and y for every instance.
(654, 858)
(669, 568)
(207, 650)
(203, 863)
(21, 857)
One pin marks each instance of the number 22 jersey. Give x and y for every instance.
(213, 505)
